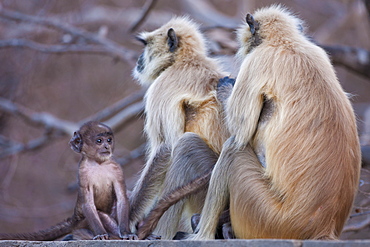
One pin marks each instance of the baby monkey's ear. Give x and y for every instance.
(76, 142)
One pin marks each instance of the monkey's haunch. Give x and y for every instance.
(150, 222)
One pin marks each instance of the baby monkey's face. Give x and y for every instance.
(105, 145)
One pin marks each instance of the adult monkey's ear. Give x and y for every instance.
(76, 142)
(253, 25)
(172, 40)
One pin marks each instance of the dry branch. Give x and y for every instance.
(110, 46)
(205, 12)
(54, 127)
(365, 150)
(116, 107)
(352, 58)
(125, 116)
(31, 145)
(367, 5)
(45, 120)
(117, 115)
(149, 5)
(357, 226)
(70, 48)
(133, 155)
(120, 114)
(125, 113)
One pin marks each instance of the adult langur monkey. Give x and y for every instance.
(181, 98)
(291, 166)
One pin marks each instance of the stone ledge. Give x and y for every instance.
(176, 243)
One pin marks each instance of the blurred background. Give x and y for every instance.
(66, 62)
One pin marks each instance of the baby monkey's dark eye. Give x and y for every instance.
(99, 141)
(141, 40)
(109, 140)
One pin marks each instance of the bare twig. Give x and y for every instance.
(8, 178)
(54, 127)
(115, 108)
(110, 46)
(71, 48)
(365, 150)
(31, 145)
(341, 20)
(205, 11)
(208, 28)
(357, 226)
(360, 214)
(367, 5)
(39, 119)
(125, 116)
(149, 5)
(352, 58)
(123, 113)
(133, 155)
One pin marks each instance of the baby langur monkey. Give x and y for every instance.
(102, 198)
(102, 204)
